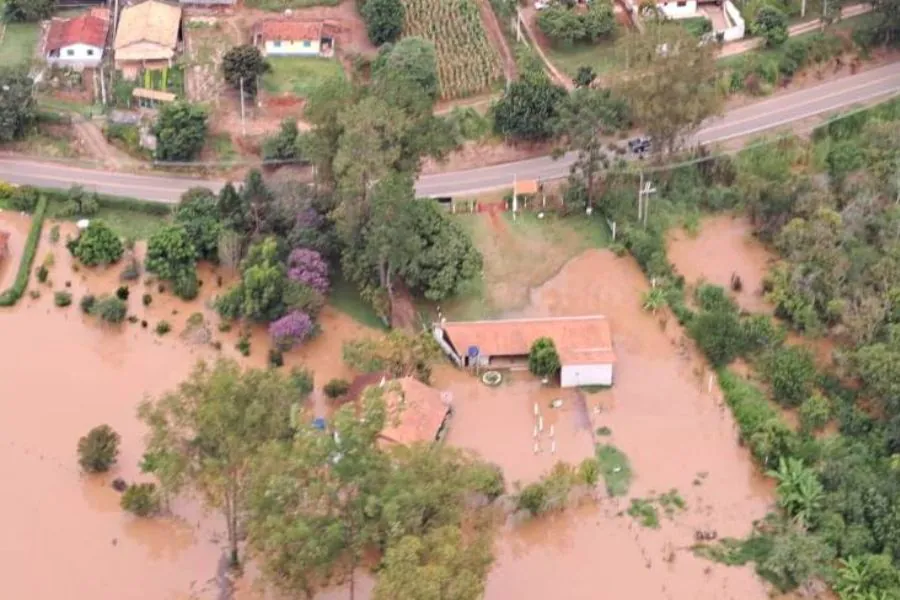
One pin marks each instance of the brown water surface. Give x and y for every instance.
(724, 246)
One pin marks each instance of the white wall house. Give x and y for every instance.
(584, 345)
(288, 37)
(78, 42)
(678, 9)
(736, 26)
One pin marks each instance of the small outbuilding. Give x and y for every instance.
(584, 345)
(293, 37)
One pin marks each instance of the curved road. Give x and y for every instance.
(780, 110)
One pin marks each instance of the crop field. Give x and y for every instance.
(467, 61)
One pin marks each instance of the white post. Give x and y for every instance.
(243, 125)
(641, 197)
(803, 9)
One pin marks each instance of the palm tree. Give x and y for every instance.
(800, 492)
(654, 299)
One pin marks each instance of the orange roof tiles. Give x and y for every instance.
(86, 29)
(415, 411)
(579, 340)
(289, 30)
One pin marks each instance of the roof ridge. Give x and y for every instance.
(524, 320)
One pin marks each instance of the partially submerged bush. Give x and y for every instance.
(62, 299)
(110, 309)
(97, 245)
(99, 449)
(163, 327)
(140, 499)
(87, 303)
(336, 388)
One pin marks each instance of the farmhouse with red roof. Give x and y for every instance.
(77, 42)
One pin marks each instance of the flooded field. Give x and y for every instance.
(62, 373)
(724, 246)
(674, 433)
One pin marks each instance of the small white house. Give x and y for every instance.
(290, 37)
(679, 9)
(78, 42)
(584, 345)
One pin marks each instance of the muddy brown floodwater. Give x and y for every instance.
(62, 373)
(673, 431)
(725, 245)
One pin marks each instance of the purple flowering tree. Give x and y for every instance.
(308, 267)
(290, 330)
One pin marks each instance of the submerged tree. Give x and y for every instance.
(205, 434)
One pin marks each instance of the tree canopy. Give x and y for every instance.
(17, 104)
(180, 131)
(671, 88)
(384, 20)
(28, 10)
(528, 109)
(205, 434)
(245, 63)
(413, 59)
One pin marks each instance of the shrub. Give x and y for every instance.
(163, 327)
(589, 471)
(62, 299)
(276, 358)
(54, 234)
(186, 285)
(140, 499)
(24, 198)
(714, 298)
(290, 330)
(87, 303)
(308, 267)
(487, 479)
(791, 371)
(543, 360)
(759, 332)
(815, 413)
(532, 498)
(243, 345)
(146, 299)
(122, 292)
(42, 273)
(110, 309)
(98, 245)
(336, 388)
(772, 25)
(718, 334)
(170, 253)
(99, 449)
(12, 295)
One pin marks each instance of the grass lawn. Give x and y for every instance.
(601, 56)
(127, 223)
(345, 298)
(518, 256)
(299, 75)
(615, 468)
(18, 44)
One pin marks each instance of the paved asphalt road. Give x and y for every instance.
(871, 85)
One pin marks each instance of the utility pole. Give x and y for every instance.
(644, 191)
(243, 125)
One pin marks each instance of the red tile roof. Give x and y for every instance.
(289, 30)
(578, 340)
(86, 29)
(415, 411)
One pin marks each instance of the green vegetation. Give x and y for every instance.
(346, 299)
(299, 75)
(615, 468)
(15, 291)
(19, 45)
(543, 360)
(645, 510)
(141, 499)
(99, 449)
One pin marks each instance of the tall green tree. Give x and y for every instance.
(243, 65)
(198, 213)
(584, 115)
(671, 83)
(205, 434)
(17, 105)
(384, 20)
(260, 294)
(311, 510)
(180, 131)
(170, 253)
(398, 353)
(528, 109)
(412, 59)
(323, 110)
(442, 565)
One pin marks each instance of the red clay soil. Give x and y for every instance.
(492, 26)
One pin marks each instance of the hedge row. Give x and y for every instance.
(121, 202)
(12, 295)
